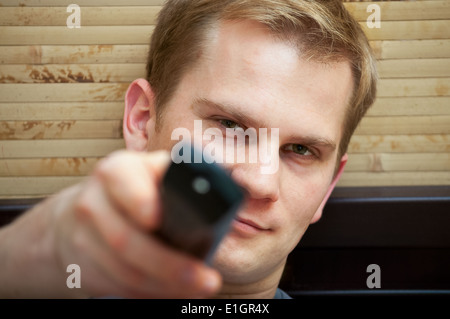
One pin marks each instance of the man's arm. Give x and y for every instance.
(28, 257)
(103, 225)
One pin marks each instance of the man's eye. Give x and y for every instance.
(299, 149)
(229, 124)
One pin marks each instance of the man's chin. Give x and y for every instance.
(244, 261)
(236, 262)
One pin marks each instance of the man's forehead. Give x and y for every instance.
(249, 52)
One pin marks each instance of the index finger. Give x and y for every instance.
(131, 181)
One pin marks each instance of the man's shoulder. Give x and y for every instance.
(280, 294)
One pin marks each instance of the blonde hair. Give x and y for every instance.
(323, 29)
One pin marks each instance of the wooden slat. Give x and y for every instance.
(414, 68)
(24, 35)
(52, 54)
(61, 111)
(411, 49)
(436, 143)
(89, 16)
(414, 87)
(63, 92)
(146, 15)
(20, 198)
(81, 166)
(362, 179)
(59, 148)
(68, 73)
(91, 92)
(27, 111)
(44, 35)
(26, 186)
(414, 162)
(37, 186)
(127, 72)
(399, 125)
(56, 54)
(75, 129)
(74, 166)
(78, 129)
(398, 106)
(409, 30)
(390, 11)
(85, 3)
(402, 10)
(81, 3)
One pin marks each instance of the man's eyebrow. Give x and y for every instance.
(317, 141)
(233, 110)
(241, 117)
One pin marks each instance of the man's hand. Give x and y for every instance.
(105, 226)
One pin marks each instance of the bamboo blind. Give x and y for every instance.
(62, 90)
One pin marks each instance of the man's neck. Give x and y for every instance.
(262, 289)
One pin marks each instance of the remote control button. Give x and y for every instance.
(201, 185)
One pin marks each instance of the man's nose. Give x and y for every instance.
(257, 184)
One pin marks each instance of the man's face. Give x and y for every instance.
(248, 78)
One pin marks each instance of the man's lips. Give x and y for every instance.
(248, 226)
(251, 223)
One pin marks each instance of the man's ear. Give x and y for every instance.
(139, 110)
(318, 213)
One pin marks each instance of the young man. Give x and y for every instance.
(303, 67)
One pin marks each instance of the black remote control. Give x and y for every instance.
(200, 200)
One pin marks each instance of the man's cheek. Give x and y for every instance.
(299, 222)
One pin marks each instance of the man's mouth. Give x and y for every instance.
(247, 227)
